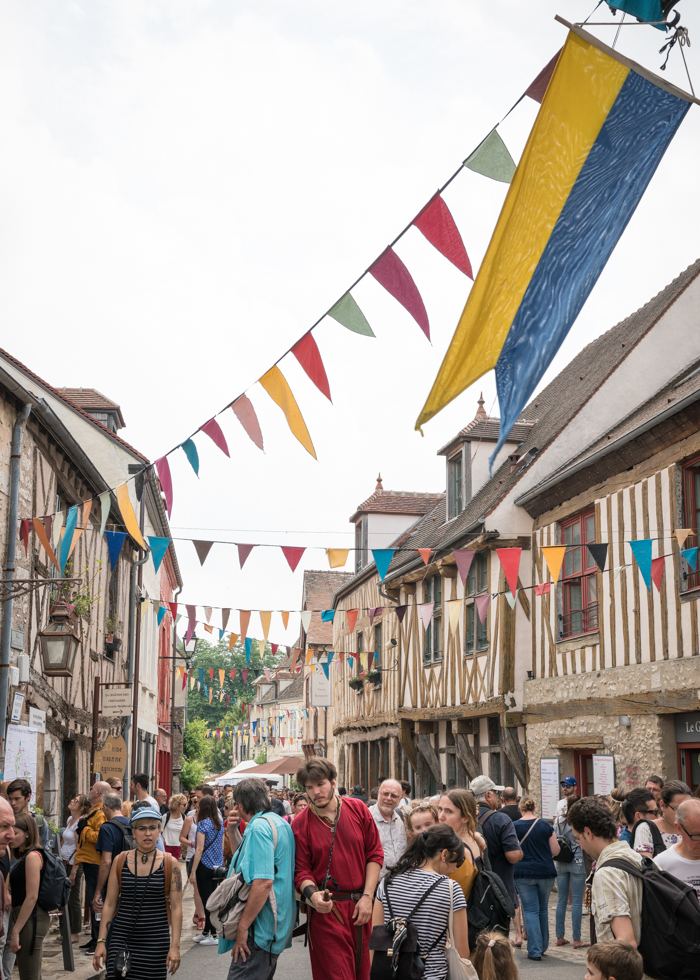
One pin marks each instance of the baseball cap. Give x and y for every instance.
(569, 781)
(146, 813)
(482, 784)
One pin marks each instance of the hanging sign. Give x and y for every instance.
(111, 759)
(116, 701)
(549, 779)
(320, 690)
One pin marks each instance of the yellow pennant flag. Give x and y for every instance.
(309, 655)
(144, 609)
(128, 515)
(57, 528)
(232, 640)
(455, 607)
(681, 534)
(265, 618)
(285, 617)
(312, 668)
(221, 695)
(222, 674)
(554, 556)
(41, 535)
(192, 681)
(199, 685)
(275, 384)
(337, 557)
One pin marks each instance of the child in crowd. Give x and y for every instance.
(420, 818)
(493, 957)
(614, 960)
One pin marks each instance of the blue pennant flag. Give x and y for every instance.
(221, 635)
(255, 728)
(248, 648)
(158, 548)
(161, 613)
(642, 554)
(351, 662)
(67, 539)
(382, 559)
(191, 452)
(200, 671)
(325, 669)
(691, 557)
(330, 655)
(327, 615)
(115, 540)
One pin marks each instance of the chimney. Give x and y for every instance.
(513, 460)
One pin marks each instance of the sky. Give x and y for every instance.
(187, 185)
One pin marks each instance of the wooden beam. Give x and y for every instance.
(465, 726)
(494, 706)
(466, 756)
(407, 743)
(425, 727)
(514, 751)
(578, 742)
(425, 747)
(660, 702)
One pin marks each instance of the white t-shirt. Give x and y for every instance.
(680, 867)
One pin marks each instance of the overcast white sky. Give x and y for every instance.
(186, 185)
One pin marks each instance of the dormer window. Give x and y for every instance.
(455, 484)
(360, 543)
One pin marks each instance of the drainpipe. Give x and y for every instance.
(10, 564)
(172, 699)
(133, 625)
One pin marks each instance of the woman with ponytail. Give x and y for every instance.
(424, 866)
(493, 958)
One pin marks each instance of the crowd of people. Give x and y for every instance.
(471, 870)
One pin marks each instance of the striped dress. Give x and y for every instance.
(149, 937)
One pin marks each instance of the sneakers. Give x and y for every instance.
(199, 937)
(90, 951)
(86, 945)
(209, 941)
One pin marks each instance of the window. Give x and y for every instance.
(455, 485)
(360, 650)
(360, 543)
(432, 592)
(579, 576)
(476, 636)
(691, 488)
(377, 662)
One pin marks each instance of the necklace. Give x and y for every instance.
(144, 856)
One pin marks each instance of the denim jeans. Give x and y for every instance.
(574, 874)
(534, 898)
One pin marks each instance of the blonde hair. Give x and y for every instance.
(493, 958)
(527, 805)
(421, 808)
(126, 808)
(466, 804)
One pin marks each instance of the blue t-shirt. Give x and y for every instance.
(213, 855)
(499, 832)
(257, 857)
(537, 859)
(110, 837)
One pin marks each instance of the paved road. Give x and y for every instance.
(198, 962)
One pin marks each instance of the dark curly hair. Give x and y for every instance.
(595, 815)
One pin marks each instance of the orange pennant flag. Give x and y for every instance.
(87, 507)
(554, 556)
(285, 618)
(207, 627)
(128, 515)
(222, 674)
(681, 534)
(211, 673)
(41, 535)
(352, 618)
(211, 694)
(265, 618)
(297, 651)
(275, 384)
(232, 640)
(245, 622)
(309, 655)
(76, 535)
(425, 554)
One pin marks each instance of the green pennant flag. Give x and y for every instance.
(348, 313)
(492, 159)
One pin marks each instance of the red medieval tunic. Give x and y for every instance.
(357, 843)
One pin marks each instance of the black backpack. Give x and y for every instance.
(54, 886)
(659, 846)
(489, 906)
(397, 951)
(670, 927)
(128, 839)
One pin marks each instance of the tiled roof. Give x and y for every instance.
(317, 593)
(487, 430)
(398, 502)
(92, 400)
(292, 692)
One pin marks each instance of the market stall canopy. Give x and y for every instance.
(281, 767)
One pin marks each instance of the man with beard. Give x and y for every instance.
(338, 859)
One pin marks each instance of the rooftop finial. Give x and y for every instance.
(379, 483)
(480, 410)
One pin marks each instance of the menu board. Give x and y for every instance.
(549, 779)
(603, 774)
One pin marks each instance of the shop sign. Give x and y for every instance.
(688, 727)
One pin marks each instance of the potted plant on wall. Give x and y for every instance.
(357, 683)
(113, 640)
(375, 676)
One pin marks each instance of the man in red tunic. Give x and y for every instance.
(338, 851)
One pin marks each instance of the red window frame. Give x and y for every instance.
(691, 501)
(579, 579)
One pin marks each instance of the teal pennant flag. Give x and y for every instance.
(158, 548)
(642, 555)
(382, 559)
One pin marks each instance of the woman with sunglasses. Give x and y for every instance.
(136, 907)
(672, 795)
(423, 867)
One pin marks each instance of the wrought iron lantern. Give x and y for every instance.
(59, 645)
(190, 645)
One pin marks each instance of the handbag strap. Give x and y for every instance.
(415, 907)
(137, 916)
(536, 820)
(450, 921)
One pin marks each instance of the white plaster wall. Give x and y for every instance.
(480, 453)
(382, 529)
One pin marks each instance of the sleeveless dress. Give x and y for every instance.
(150, 937)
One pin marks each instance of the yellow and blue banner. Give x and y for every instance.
(600, 134)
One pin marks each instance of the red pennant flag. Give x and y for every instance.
(185, 677)
(539, 86)
(293, 556)
(510, 563)
(166, 481)
(243, 551)
(352, 618)
(228, 698)
(215, 433)
(24, 534)
(274, 647)
(438, 226)
(657, 571)
(245, 413)
(392, 274)
(211, 673)
(307, 353)
(425, 554)
(173, 609)
(542, 589)
(244, 675)
(464, 558)
(233, 675)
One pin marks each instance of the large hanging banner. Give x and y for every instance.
(603, 128)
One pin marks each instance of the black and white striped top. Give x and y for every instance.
(431, 919)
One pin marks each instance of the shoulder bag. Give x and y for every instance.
(397, 950)
(457, 967)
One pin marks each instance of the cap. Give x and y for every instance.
(146, 813)
(482, 784)
(569, 781)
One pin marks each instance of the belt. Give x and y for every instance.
(338, 897)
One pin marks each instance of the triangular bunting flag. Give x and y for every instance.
(382, 559)
(166, 481)
(115, 541)
(243, 551)
(293, 555)
(261, 648)
(202, 548)
(265, 618)
(454, 607)
(76, 537)
(87, 507)
(352, 618)
(463, 559)
(438, 226)
(232, 641)
(192, 619)
(306, 615)
(554, 556)
(225, 613)
(208, 628)
(274, 647)
(482, 605)
(510, 563)
(642, 555)
(285, 618)
(400, 612)
(510, 599)
(158, 548)
(275, 384)
(161, 612)
(599, 554)
(307, 353)
(543, 589)
(71, 521)
(207, 613)
(190, 451)
(211, 673)
(326, 668)
(337, 557)
(426, 613)
(492, 159)
(128, 515)
(244, 675)
(538, 87)
(222, 675)
(392, 274)
(41, 535)
(245, 413)
(215, 433)
(425, 554)
(244, 615)
(657, 571)
(57, 530)
(681, 534)
(105, 505)
(349, 315)
(24, 534)
(691, 557)
(327, 615)
(374, 614)
(248, 648)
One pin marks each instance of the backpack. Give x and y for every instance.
(659, 846)
(128, 839)
(670, 927)
(54, 886)
(226, 903)
(489, 906)
(397, 939)
(566, 852)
